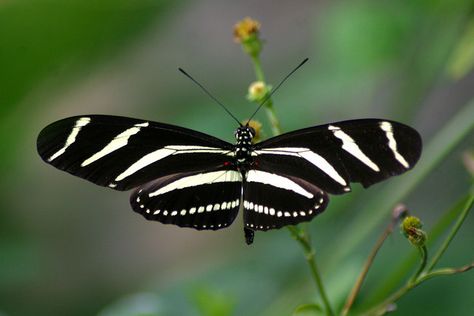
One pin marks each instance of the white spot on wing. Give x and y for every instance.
(349, 145)
(80, 123)
(388, 129)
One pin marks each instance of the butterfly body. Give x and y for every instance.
(243, 149)
(190, 179)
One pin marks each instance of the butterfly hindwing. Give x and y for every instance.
(272, 200)
(333, 155)
(201, 200)
(123, 153)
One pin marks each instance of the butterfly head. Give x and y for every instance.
(244, 134)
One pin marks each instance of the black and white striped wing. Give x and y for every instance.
(292, 173)
(332, 156)
(201, 200)
(272, 200)
(123, 153)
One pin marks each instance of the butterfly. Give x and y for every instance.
(190, 179)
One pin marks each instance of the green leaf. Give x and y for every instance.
(212, 302)
(308, 310)
(461, 61)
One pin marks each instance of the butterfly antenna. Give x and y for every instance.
(274, 90)
(209, 94)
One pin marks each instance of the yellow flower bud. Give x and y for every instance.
(246, 33)
(245, 29)
(257, 127)
(257, 91)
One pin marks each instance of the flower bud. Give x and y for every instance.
(411, 228)
(257, 127)
(257, 91)
(246, 33)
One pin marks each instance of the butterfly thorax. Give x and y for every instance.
(243, 148)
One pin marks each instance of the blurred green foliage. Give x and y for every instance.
(47, 39)
(61, 253)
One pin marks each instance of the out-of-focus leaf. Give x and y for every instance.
(361, 37)
(461, 61)
(308, 310)
(468, 160)
(141, 304)
(51, 40)
(212, 302)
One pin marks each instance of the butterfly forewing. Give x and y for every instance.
(333, 155)
(272, 201)
(202, 200)
(123, 153)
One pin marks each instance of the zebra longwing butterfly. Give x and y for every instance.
(190, 179)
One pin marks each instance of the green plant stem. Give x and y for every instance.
(424, 258)
(445, 271)
(258, 68)
(272, 117)
(360, 280)
(276, 128)
(453, 232)
(302, 236)
(382, 308)
(387, 285)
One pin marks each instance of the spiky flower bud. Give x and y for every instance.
(246, 32)
(411, 228)
(257, 91)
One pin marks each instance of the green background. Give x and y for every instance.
(71, 248)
